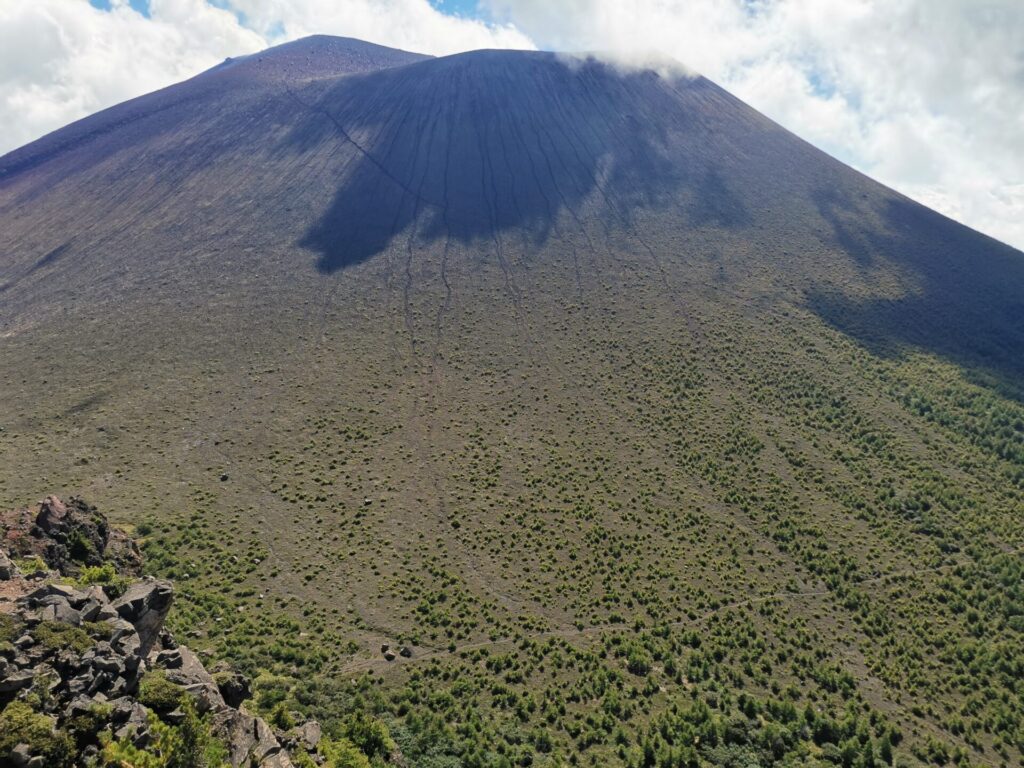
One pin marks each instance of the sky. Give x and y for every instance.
(926, 96)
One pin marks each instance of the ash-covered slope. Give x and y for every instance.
(330, 152)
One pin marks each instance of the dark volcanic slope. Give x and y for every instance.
(507, 154)
(505, 347)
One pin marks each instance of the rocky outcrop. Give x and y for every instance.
(144, 606)
(67, 537)
(81, 654)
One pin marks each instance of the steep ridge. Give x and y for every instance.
(81, 626)
(522, 355)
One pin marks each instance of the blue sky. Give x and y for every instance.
(142, 6)
(459, 7)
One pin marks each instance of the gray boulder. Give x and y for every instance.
(309, 735)
(57, 608)
(233, 685)
(20, 755)
(145, 605)
(191, 675)
(15, 680)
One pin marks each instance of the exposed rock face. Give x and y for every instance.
(88, 653)
(144, 605)
(67, 536)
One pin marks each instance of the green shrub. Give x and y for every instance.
(188, 745)
(281, 717)
(29, 565)
(104, 575)
(158, 693)
(369, 735)
(194, 746)
(638, 661)
(270, 690)
(342, 753)
(55, 635)
(10, 628)
(19, 724)
(85, 726)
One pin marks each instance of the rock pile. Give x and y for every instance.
(67, 537)
(79, 654)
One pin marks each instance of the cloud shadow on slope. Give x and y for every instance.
(471, 146)
(968, 306)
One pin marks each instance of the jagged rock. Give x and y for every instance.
(233, 685)
(20, 755)
(111, 664)
(67, 536)
(44, 591)
(80, 705)
(193, 677)
(96, 593)
(174, 717)
(73, 681)
(16, 680)
(80, 684)
(121, 709)
(46, 676)
(145, 605)
(309, 735)
(167, 641)
(266, 743)
(239, 732)
(136, 722)
(277, 760)
(126, 640)
(37, 653)
(169, 659)
(138, 734)
(57, 608)
(90, 610)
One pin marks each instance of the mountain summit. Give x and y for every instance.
(338, 151)
(579, 384)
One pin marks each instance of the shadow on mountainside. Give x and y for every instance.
(967, 299)
(471, 146)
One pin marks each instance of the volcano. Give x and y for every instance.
(330, 153)
(513, 344)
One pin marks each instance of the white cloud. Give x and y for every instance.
(925, 95)
(413, 25)
(61, 60)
